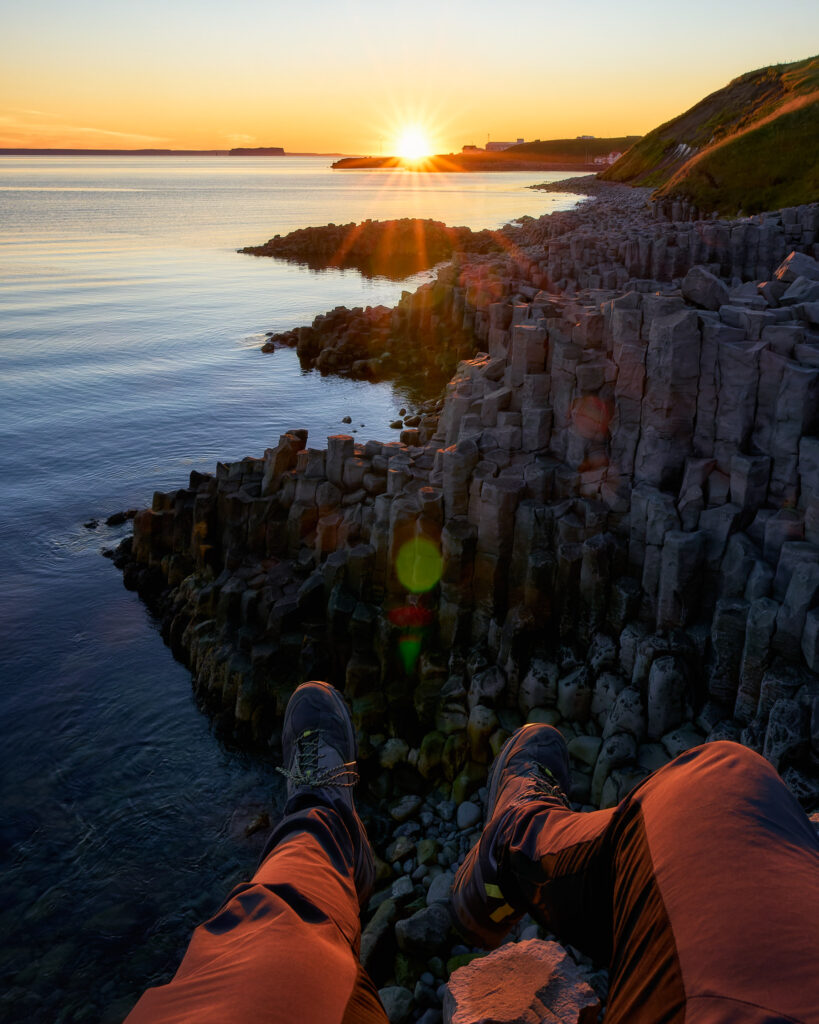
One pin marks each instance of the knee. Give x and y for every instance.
(725, 756)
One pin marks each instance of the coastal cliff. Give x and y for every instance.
(629, 466)
(610, 524)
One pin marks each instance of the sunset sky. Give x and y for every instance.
(351, 75)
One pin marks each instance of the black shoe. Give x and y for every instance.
(533, 763)
(318, 742)
(319, 747)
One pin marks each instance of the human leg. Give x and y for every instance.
(701, 889)
(284, 946)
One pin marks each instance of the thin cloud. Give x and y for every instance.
(21, 127)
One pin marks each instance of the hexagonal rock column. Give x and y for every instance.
(534, 982)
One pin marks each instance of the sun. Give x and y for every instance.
(413, 143)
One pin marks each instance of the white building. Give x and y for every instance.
(498, 147)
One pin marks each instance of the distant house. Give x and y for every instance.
(471, 149)
(587, 136)
(498, 147)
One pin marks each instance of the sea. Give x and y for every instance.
(130, 335)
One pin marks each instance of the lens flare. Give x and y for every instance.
(418, 565)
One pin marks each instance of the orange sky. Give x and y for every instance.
(350, 76)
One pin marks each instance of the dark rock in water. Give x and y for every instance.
(392, 248)
(92, 524)
(259, 823)
(118, 518)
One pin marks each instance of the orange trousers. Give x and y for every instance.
(284, 947)
(700, 890)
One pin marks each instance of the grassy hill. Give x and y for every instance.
(750, 146)
(571, 150)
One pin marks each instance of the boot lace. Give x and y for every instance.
(306, 771)
(547, 784)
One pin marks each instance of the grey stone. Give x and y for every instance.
(538, 688)
(616, 751)
(376, 938)
(626, 715)
(397, 1002)
(679, 740)
(680, 578)
(756, 655)
(468, 815)
(425, 933)
(800, 290)
(704, 289)
(574, 695)
(405, 808)
(786, 735)
(795, 265)
(728, 640)
(440, 888)
(667, 700)
(402, 888)
(801, 597)
(810, 639)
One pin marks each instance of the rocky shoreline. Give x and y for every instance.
(611, 524)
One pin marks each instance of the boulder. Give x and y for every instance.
(425, 933)
(397, 1002)
(702, 288)
(523, 981)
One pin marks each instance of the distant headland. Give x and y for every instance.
(584, 153)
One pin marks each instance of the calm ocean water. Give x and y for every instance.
(129, 354)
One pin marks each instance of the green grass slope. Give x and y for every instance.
(750, 146)
(575, 149)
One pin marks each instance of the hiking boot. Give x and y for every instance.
(533, 765)
(319, 747)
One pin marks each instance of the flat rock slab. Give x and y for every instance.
(530, 982)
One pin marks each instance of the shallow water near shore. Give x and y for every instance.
(129, 355)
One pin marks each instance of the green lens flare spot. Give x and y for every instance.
(418, 565)
(409, 650)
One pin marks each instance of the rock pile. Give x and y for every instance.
(621, 495)
(390, 248)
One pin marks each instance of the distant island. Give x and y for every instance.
(257, 151)
(584, 153)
